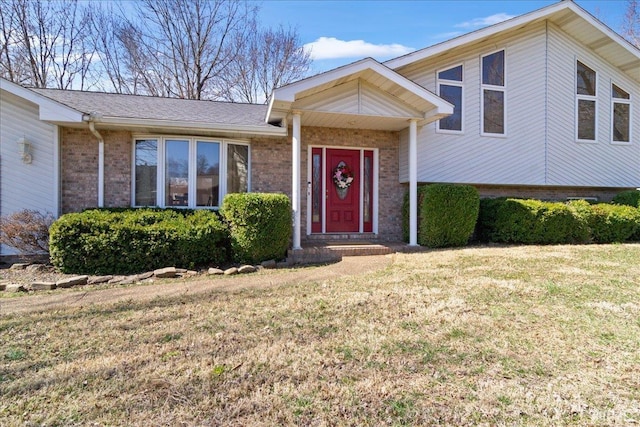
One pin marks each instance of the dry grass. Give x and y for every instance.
(476, 336)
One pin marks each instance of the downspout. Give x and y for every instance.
(92, 119)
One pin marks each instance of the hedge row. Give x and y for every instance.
(536, 222)
(126, 241)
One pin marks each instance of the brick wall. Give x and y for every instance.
(548, 193)
(271, 169)
(79, 169)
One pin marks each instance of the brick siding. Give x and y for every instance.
(548, 193)
(271, 169)
(79, 169)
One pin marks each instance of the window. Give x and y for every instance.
(586, 105)
(450, 89)
(620, 115)
(185, 172)
(493, 94)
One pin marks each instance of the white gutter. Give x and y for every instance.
(129, 123)
(92, 118)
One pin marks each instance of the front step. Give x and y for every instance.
(333, 251)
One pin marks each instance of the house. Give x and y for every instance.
(543, 105)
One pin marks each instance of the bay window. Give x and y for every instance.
(186, 172)
(620, 115)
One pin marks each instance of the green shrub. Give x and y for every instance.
(487, 215)
(537, 222)
(405, 211)
(628, 198)
(609, 223)
(259, 225)
(448, 215)
(135, 240)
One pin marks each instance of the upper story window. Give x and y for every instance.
(620, 115)
(450, 89)
(586, 103)
(188, 172)
(493, 94)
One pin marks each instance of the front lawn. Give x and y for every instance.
(535, 335)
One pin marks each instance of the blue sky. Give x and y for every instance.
(340, 32)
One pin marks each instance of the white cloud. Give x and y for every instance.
(483, 22)
(331, 48)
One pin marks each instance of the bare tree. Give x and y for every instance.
(268, 58)
(179, 47)
(111, 69)
(631, 22)
(44, 43)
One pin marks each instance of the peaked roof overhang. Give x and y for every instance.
(567, 15)
(397, 99)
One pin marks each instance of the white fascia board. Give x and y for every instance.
(49, 109)
(288, 93)
(498, 28)
(138, 123)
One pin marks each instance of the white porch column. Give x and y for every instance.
(413, 182)
(295, 179)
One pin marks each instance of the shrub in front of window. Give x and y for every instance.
(448, 215)
(259, 225)
(609, 223)
(628, 198)
(137, 240)
(537, 222)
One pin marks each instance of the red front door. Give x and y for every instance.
(343, 191)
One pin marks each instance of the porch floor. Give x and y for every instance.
(328, 251)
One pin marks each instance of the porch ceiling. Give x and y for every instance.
(353, 121)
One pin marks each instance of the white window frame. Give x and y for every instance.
(456, 83)
(621, 101)
(192, 180)
(502, 89)
(579, 98)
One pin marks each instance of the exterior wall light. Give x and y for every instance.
(24, 149)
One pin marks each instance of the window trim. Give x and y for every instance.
(192, 180)
(455, 83)
(502, 89)
(621, 101)
(579, 97)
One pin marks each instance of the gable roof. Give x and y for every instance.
(424, 104)
(573, 19)
(148, 111)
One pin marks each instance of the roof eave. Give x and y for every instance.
(126, 122)
(518, 21)
(49, 109)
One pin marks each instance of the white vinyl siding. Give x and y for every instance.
(518, 158)
(22, 185)
(599, 164)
